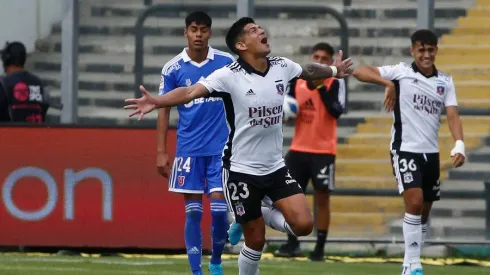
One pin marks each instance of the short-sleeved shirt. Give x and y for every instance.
(201, 129)
(420, 102)
(254, 109)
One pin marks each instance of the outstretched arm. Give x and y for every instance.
(178, 96)
(181, 95)
(315, 71)
(371, 74)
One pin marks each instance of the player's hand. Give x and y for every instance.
(344, 67)
(458, 154)
(390, 97)
(142, 105)
(458, 160)
(163, 165)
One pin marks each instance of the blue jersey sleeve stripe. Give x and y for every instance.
(172, 62)
(225, 54)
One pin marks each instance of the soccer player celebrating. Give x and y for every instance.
(201, 136)
(253, 90)
(312, 152)
(417, 93)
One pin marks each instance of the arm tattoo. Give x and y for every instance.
(314, 71)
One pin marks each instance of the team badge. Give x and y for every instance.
(440, 90)
(280, 88)
(181, 180)
(188, 82)
(407, 177)
(240, 210)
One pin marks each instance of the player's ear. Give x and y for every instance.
(185, 31)
(239, 45)
(412, 50)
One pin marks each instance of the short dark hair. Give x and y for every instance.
(425, 37)
(235, 31)
(198, 17)
(323, 47)
(14, 53)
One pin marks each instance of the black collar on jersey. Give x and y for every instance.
(416, 70)
(249, 69)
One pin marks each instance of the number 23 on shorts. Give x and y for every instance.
(238, 190)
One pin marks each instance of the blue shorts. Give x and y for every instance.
(196, 175)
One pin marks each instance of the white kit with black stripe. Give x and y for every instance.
(420, 102)
(253, 103)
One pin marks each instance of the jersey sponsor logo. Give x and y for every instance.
(265, 116)
(440, 90)
(280, 88)
(427, 104)
(240, 210)
(23, 92)
(407, 177)
(202, 100)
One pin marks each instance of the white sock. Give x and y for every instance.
(248, 261)
(412, 234)
(425, 227)
(275, 220)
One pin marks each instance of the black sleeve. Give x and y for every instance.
(331, 99)
(4, 113)
(291, 87)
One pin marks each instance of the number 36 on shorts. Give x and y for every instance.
(407, 165)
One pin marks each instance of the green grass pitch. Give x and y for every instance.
(22, 264)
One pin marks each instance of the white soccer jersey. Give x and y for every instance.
(253, 104)
(420, 101)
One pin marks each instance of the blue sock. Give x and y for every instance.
(193, 234)
(219, 226)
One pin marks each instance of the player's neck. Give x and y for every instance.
(425, 71)
(13, 69)
(260, 64)
(198, 56)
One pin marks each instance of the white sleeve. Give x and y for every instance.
(293, 68)
(218, 81)
(341, 92)
(392, 72)
(450, 99)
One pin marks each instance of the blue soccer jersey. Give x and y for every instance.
(201, 129)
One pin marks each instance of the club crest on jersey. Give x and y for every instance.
(181, 180)
(440, 90)
(280, 88)
(407, 177)
(188, 82)
(240, 210)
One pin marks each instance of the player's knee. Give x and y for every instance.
(414, 201)
(303, 226)
(255, 241)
